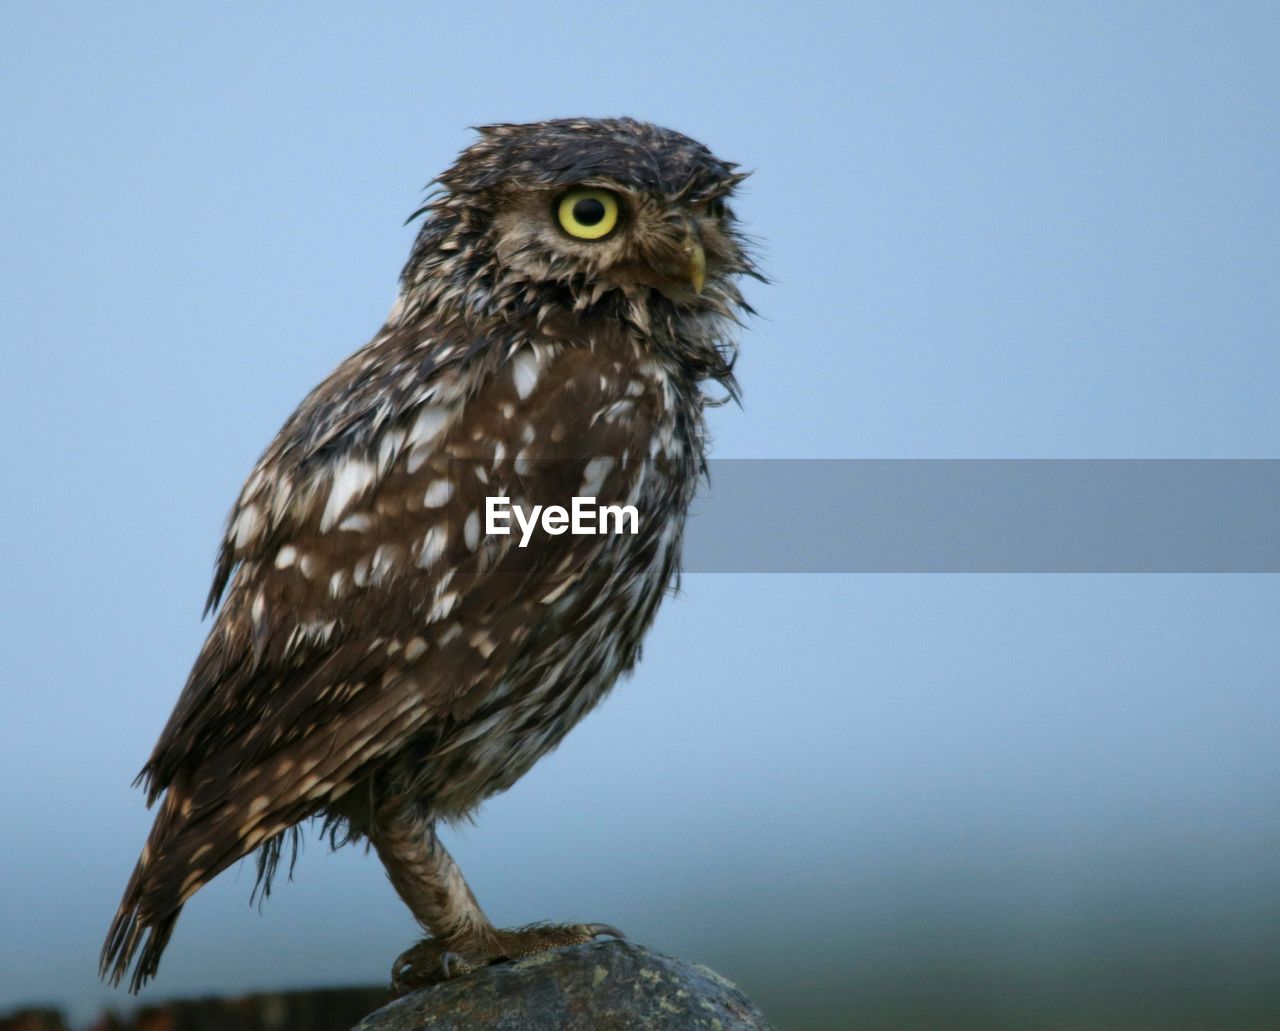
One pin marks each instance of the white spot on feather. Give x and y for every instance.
(247, 526)
(593, 476)
(524, 371)
(564, 585)
(353, 478)
(443, 607)
(416, 458)
(384, 562)
(286, 556)
(337, 584)
(438, 492)
(471, 530)
(431, 420)
(433, 542)
(442, 584)
(389, 449)
(483, 643)
(618, 410)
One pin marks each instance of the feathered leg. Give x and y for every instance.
(425, 876)
(462, 939)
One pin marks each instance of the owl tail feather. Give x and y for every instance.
(148, 911)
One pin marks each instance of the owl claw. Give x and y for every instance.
(449, 961)
(427, 963)
(433, 961)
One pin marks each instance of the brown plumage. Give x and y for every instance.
(378, 660)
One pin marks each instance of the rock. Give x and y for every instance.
(600, 986)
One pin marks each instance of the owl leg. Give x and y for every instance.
(461, 938)
(429, 882)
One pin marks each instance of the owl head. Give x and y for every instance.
(567, 213)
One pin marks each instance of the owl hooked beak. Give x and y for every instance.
(678, 262)
(697, 267)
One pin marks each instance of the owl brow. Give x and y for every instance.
(705, 185)
(594, 182)
(699, 193)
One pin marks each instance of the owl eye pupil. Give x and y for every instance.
(587, 214)
(588, 211)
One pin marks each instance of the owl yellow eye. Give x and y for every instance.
(588, 214)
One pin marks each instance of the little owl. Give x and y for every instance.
(381, 661)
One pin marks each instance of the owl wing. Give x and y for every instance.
(367, 605)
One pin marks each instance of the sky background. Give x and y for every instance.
(1012, 231)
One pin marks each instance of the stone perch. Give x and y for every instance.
(599, 986)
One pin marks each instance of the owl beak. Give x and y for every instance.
(697, 265)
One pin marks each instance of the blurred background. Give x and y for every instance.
(1008, 231)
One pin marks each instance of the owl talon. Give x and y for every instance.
(428, 962)
(434, 961)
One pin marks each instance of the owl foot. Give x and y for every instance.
(434, 960)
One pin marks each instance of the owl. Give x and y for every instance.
(383, 656)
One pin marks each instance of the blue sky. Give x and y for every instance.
(1014, 230)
